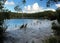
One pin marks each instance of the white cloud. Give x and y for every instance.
(58, 5)
(35, 8)
(28, 8)
(50, 9)
(9, 3)
(32, 8)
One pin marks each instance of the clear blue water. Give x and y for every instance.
(16, 22)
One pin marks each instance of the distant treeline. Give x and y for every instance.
(40, 15)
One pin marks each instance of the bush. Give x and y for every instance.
(52, 40)
(55, 27)
(2, 31)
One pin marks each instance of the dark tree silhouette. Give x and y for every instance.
(1, 20)
(17, 8)
(58, 14)
(50, 2)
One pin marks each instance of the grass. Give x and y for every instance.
(52, 40)
(55, 27)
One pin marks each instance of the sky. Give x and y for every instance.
(31, 6)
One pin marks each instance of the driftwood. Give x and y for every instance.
(23, 26)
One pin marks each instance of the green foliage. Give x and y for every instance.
(2, 4)
(23, 1)
(45, 15)
(17, 8)
(33, 41)
(58, 14)
(2, 29)
(51, 40)
(2, 17)
(50, 2)
(56, 29)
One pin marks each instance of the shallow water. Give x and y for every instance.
(37, 30)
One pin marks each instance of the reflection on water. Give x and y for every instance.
(36, 32)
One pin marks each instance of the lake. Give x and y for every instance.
(37, 30)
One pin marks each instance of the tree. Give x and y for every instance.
(50, 2)
(58, 14)
(1, 20)
(17, 8)
(2, 4)
(24, 1)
